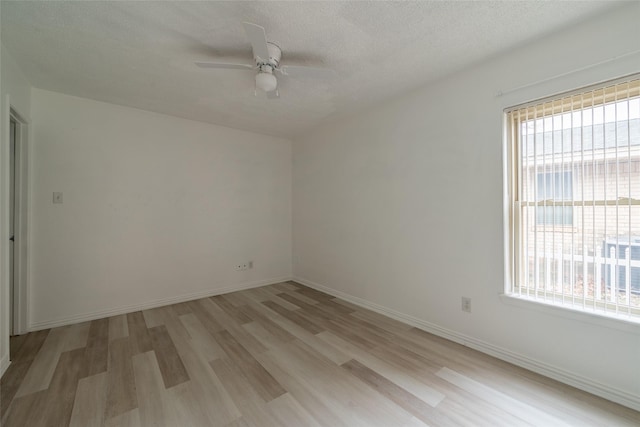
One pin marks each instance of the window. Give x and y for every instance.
(574, 187)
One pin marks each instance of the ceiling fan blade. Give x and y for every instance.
(303, 71)
(258, 39)
(274, 94)
(224, 65)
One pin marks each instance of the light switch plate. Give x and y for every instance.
(57, 197)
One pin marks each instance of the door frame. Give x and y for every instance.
(21, 221)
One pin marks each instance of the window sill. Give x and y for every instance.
(626, 324)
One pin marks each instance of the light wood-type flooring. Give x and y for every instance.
(280, 355)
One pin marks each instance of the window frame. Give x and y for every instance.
(551, 105)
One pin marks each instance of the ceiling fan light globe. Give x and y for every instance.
(266, 82)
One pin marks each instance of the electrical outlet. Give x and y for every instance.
(244, 266)
(466, 304)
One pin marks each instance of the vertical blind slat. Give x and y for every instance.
(617, 220)
(629, 195)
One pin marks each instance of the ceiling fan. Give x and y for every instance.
(267, 57)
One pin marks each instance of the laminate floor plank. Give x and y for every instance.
(294, 317)
(547, 398)
(181, 308)
(423, 370)
(384, 322)
(25, 410)
(555, 398)
(118, 327)
(139, 339)
(289, 413)
(352, 335)
(60, 397)
(517, 381)
(186, 407)
(232, 327)
(414, 422)
(237, 299)
(121, 388)
(274, 297)
(97, 347)
(294, 299)
(314, 294)
(329, 352)
(15, 344)
(237, 315)
(465, 415)
(273, 328)
(263, 383)
(300, 297)
(206, 318)
(397, 394)
(150, 392)
(212, 398)
(331, 306)
(128, 419)
(244, 394)
(325, 409)
(286, 286)
(483, 392)
(39, 375)
(352, 399)
(90, 401)
(201, 340)
(175, 328)
(10, 383)
(278, 355)
(77, 336)
(401, 377)
(262, 335)
(32, 343)
(259, 294)
(153, 317)
(169, 362)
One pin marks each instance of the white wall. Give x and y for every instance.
(155, 209)
(14, 88)
(402, 206)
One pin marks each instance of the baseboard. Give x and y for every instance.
(618, 396)
(36, 326)
(4, 364)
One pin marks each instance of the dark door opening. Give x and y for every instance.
(13, 134)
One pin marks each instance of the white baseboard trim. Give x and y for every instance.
(46, 324)
(619, 396)
(4, 364)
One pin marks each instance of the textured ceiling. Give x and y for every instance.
(141, 54)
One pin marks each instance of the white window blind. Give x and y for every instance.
(575, 193)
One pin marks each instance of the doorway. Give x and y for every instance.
(17, 248)
(13, 136)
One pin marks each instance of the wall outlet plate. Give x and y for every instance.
(244, 266)
(466, 304)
